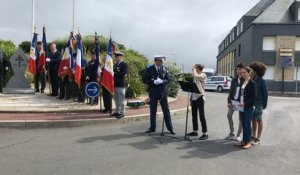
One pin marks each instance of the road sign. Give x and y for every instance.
(92, 89)
(286, 62)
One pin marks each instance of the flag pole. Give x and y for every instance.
(74, 15)
(33, 15)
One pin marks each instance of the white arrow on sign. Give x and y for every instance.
(95, 89)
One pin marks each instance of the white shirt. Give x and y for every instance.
(236, 96)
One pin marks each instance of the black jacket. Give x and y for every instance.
(234, 85)
(120, 72)
(150, 75)
(249, 94)
(92, 71)
(54, 62)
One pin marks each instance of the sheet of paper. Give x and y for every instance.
(236, 106)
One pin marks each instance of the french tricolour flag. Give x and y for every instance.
(108, 72)
(79, 58)
(32, 57)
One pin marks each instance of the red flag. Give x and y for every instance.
(64, 65)
(32, 57)
(108, 73)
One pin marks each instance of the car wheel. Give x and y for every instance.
(220, 89)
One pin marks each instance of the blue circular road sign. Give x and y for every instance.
(92, 89)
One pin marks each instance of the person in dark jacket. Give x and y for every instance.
(40, 76)
(156, 77)
(4, 68)
(53, 63)
(235, 87)
(247, 97)
(261, 100)
(92, 73)
(120, 73)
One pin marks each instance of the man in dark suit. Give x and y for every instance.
(39, 77)
(156, 77)
(120, 72)
(92, 72)
(53, 62)
(4, 68)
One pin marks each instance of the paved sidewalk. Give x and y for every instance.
(40, 110)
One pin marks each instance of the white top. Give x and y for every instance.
(236, 96)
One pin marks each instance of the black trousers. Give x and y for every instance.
(107, 99)
(54, 83)
(198, 105)
(166, 111)
(64, 87)
(40, 77)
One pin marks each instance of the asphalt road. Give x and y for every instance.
(125, 149)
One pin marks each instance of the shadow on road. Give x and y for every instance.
(208, 149)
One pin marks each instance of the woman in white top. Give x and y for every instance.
(197, 102)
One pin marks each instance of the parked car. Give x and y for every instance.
(218, 83)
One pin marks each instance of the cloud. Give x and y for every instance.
(191, 29)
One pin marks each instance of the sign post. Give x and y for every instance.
(92, 90)
(286, 61)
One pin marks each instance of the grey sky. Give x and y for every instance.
(192, 29)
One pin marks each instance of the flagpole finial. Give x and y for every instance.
(78, 29)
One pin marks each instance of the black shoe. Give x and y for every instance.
(120, 116)
(42, 91)
(105, 111)
(68, 98)
(203, 137)
(172, 132)
(60, 98)
(150, 131)
(115, 114)
(192, 134)
(37, 91)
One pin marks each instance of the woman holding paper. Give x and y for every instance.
(247, 97)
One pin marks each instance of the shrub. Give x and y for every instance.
(173, 86)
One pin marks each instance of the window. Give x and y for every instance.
(221, 79)
(298, 17)
(297, 44)
(237, 30)
(269, 43)
(239, 50)
(269, 75)
(242, 26)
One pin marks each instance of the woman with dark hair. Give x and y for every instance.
(261, 100)
(246, 97)
(197, 102)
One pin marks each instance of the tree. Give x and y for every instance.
(8, 48)
(136, 63)
(173, 86)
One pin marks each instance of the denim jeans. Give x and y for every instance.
(246, 118)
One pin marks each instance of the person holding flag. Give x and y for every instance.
(107, 79)
(64, 71)
(120, 73)
(40, 76)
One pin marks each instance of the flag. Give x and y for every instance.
(71, 48)
(79, 61)
(66, 61)
(32, 57)
(42, 60)
(108, 73)
(97, 49)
